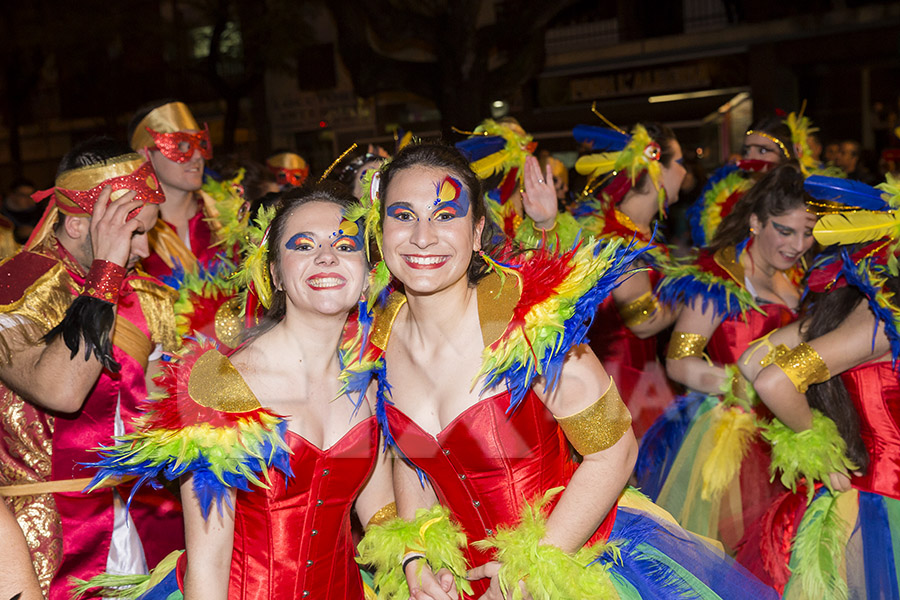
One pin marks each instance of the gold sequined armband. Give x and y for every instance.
(803, 366)
(600, 425)
(684, 344)
(638, 311)
(385, 513)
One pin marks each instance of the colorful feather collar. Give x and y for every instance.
(533, 309)
(715, 279)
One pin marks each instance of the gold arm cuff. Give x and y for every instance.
(683, 345)
(775, 352)
(638, 311)
(600, 425)
(803, 366)
(385, 513)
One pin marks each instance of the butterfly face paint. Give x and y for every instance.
(180, 146)
(452, 200)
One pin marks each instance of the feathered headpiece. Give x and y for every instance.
(254, 273)
(801, 128)
(496, 147)
(870, 219)
(368, 210)
(619, 152)
(228, 211)
(856, 213)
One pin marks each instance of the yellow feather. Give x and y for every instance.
(490, 164)
(734, 430)
(596, 163)
(856, 227)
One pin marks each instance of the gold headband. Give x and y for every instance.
(86, 178)
(286, 160)
(772, 139)
(168, 118)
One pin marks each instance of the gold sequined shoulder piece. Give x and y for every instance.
(215, 383)
(727, 259)
(45, 300)
(496, 301)
(384, 320)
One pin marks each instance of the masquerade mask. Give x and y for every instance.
(289, 168)
(180, 146)
(77, 191)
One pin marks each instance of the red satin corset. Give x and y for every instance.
(734, 334)
(875, 390)
(293, 540)
(485, 463)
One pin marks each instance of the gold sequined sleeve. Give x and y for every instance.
(600, 425)
(638, 311)
(803, 366)
(683, 345)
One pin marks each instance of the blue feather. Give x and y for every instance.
(601, 138)
(845, 191)
(688, 288)
(165, 589)
(640, 563)
(858, 277)
(206, 483)
(479, 146)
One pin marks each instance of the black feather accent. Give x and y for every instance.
(92, 320)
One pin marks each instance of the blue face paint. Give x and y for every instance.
(300, 241)
(401, 212)
(680, 161)
(349, 238)
(452, 200)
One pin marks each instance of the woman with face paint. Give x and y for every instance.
(273, 451)
(644, 178)
(488, 379)
(702, 460)
(834, 390)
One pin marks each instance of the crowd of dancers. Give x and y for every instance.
(424, 375)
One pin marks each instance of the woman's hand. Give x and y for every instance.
(539, 197)
(492, 570)
(428, 585)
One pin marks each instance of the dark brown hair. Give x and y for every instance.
(826, 311)
(441, 156)
(776, 193)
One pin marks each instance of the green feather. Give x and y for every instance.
(124, 586)
(547, 572)
(812, 454)
(818, 549)
(384, 546)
